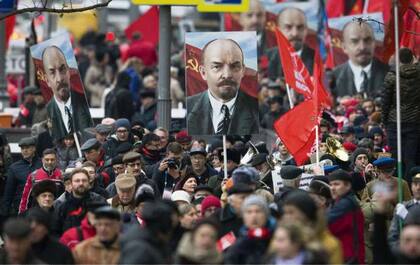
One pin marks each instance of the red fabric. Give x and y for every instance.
(208, 202)
(145, 51)
(349, 146)
(412, 24)
(70, 238)
(342, 228)
(196, 84)
(183, 137)
(295, 72)
(36, 176)
(389, 40)
(10, 26)
(296, 129)
(147, 25)
(336, 8)
(320, 94)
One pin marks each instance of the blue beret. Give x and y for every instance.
(328, 169)
(384, 162)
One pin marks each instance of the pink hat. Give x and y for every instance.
(208, 202)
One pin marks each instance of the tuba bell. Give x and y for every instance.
(335, 148)
(247, 158)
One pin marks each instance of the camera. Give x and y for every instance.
(173, 163)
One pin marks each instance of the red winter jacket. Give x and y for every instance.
(72, 236)
(34, 177)
(345, 221)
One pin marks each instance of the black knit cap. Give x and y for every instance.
(290, 172)
(40, 216)
(157, 216)
(301, 200)
(340, 174)
(357, 152)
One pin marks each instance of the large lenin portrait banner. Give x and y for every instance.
(59, 79)
(221, 83)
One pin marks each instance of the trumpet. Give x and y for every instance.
(310, 168)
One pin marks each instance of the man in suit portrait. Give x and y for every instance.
(362, 73)
(67, 109)
(223, 108)
(293, 24)
(254, 20)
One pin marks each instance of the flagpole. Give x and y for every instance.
(398, 99)
(289, 96)
(225, 157)
(76, 141)
(317, 144)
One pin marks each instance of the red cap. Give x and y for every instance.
(349, 146)
(208, 202)
(183, 137)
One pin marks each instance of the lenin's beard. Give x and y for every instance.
(63, 91)
(227, 89)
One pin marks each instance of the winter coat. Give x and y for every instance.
(52, 252)
(110, 147)
(229, 221)
(116, 203)
(15, 182)
(332, 247)
(309, 257)
(75, 235)
(346, 222)
(96, 80)
(92, 251)
(37, 176)
(410, 97)
(250, 247)
(394, 228)
(382, 253)
(368, 191)
(72, 210)
(187, 253)
(67, 155)
(141, 246)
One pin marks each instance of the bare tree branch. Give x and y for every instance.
(362, 20)
(55, 10)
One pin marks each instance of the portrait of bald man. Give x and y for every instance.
(293, 24)
(67, 109)
(362, 73)
(223, 108)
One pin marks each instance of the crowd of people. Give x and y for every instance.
(143, 194)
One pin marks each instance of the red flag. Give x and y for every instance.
(295, 72)
(320, 94)
(411, 25)
(10, 25)
(389, 40)
(147, 25)
(296, 129)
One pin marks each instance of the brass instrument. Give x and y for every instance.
(247, 158)
(335, 148)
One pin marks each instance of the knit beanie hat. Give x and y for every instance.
(208, 202)
(122, 123)
(302, 201)
(357, 152)
(256, 200)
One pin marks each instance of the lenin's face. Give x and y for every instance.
(254, 19)
(223, 69)
(58, 74)
(292, 24)
(359, 43)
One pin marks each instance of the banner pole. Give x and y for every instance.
(225, 157)
(76, 141)
(398, 100)
(317, 144)
(289, 96)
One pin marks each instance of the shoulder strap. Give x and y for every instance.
(79, 233)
